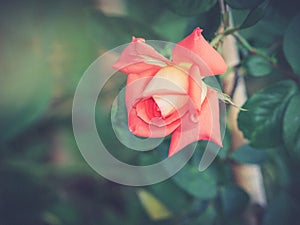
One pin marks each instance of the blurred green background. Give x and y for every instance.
(45, 48)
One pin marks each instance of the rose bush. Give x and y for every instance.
(168, 96)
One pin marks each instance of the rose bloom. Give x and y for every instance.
(168, 96)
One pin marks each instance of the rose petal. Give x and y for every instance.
(136, 84)
(169, 80)
(207, 127)
(139, 56)
(170, 103)
(197, 88)
(140, 128)
(147, 110)
(196, 50)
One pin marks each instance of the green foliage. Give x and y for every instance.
(144, 10)
(201, 185)
(23, 197)
(223, 153)
(258, 66)
(262, 123)
(166, 191)
(62, 213)
(208, 21)
(190, 7)
(25, 90)
(234, 200)
(248, 155)
(45, 48)
(243, 4)
(282, 210)
(272, 26)
(291, 126)
(291, 44)
(168, 24)
(255, 15)
(155, 208)
(208, 217)
(114, 31)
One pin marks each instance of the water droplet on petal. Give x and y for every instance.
(194, 117)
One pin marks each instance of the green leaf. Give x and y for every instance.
(258, 66)
(208, 21)
(190, 7)
(198, 184)
(243, 4)
(272, 25)
(233, 199)
(262, 123)
(248, 155)
(291, 125)
(255, 15)
(291, 44)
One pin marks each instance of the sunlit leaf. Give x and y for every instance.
(155, 209)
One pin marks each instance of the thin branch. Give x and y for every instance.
(219, 37)
(224, 13)
(271, 60)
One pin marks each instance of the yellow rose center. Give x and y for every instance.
(169, 89)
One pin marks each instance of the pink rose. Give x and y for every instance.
(168, 96)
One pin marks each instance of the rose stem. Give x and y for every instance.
(249, 177)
